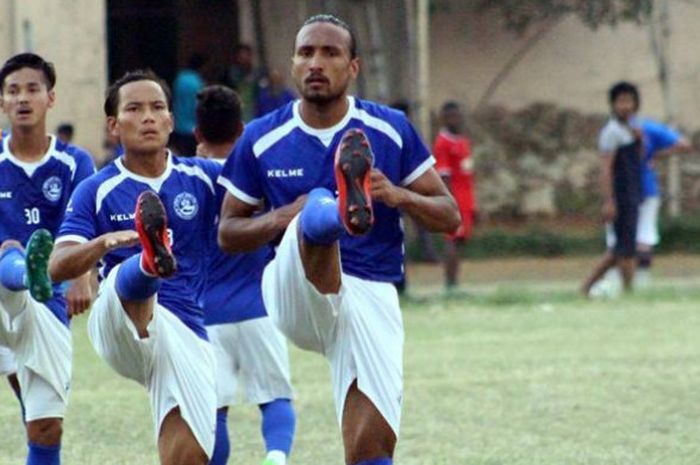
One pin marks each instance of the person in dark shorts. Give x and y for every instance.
(620, 145)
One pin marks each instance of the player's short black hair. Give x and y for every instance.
(28, 60)
(65, 128)
(623, 87)
(327, 18)
(450, 105)
(111, 105)
(218, 114)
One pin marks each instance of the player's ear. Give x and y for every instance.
(354, 67)
(52, 98)
(198, 135)
(171, 122)
(112, 126)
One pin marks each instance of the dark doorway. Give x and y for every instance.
(162, 34)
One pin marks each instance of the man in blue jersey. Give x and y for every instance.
(38, 173)
(250, 350)
(146, 321)
(329, 287)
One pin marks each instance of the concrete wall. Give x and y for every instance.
(71, 34)
(571, 66)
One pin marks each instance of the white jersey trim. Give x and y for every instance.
(381, 126)
(107, 187)
(71, 238)
(239, 194)
(272, 137)
(419, 171)
(197, 172)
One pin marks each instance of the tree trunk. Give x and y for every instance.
(660, 33)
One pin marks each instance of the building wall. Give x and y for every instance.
(71, 34)
(572, 65)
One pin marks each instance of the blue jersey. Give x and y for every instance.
(233, 293)
(656, 136)
(106, 202)
(35, 195)
(279, 157)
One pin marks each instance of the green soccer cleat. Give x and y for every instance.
(39, 249)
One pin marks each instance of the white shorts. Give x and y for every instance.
(647, 224)
(8, 364)
(359, 330)
(43, 351)
(254, 354)
(173, 363)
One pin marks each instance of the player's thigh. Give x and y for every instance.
(307, 317)
(177, 444)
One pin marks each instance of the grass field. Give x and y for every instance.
(509, 374)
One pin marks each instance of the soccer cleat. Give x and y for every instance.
(152, 226)
(39, 249)
(353, 165)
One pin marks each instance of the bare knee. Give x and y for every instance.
(177, 444)
(45, 432)
(366, 433)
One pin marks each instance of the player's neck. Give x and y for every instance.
(29, 144)
(324, 115)
(218, 151)
(149, 165)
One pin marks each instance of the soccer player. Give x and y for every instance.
(250, 349)
(329, 286)
(146, 322)
(620, 144)
(452, 152)
(38, 173)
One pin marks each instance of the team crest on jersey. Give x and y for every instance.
(185, 205)
(52, 188)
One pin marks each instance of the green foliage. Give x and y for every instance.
(519, 15)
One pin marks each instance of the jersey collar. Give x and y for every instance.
(28, 167)
(153, 183)
(326, 134)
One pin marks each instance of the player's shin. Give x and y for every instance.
(222, 444)
(133, 283)
(320, 221)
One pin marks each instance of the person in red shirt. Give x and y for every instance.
(452, 150)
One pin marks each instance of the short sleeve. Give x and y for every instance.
(240, 173)
(442, 156)
(608, 140)
(415, 156)
(80, 218)
(659, 135)
(85, 168)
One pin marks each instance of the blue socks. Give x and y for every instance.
(381, 461)
(320, 220)
(43, 455)
(278, 425)
(222, 445)
(13, 269)
(133, 283)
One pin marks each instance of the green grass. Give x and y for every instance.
(508, 377)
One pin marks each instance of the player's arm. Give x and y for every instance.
(426, 199)
(606, 186)
(70, 260)
(240, 231)
(681, 146)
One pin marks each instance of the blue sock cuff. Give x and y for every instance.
(381, 461)
(13, 269)
(278, 425)
(132, 283)
(320, 220)
(43, 455)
